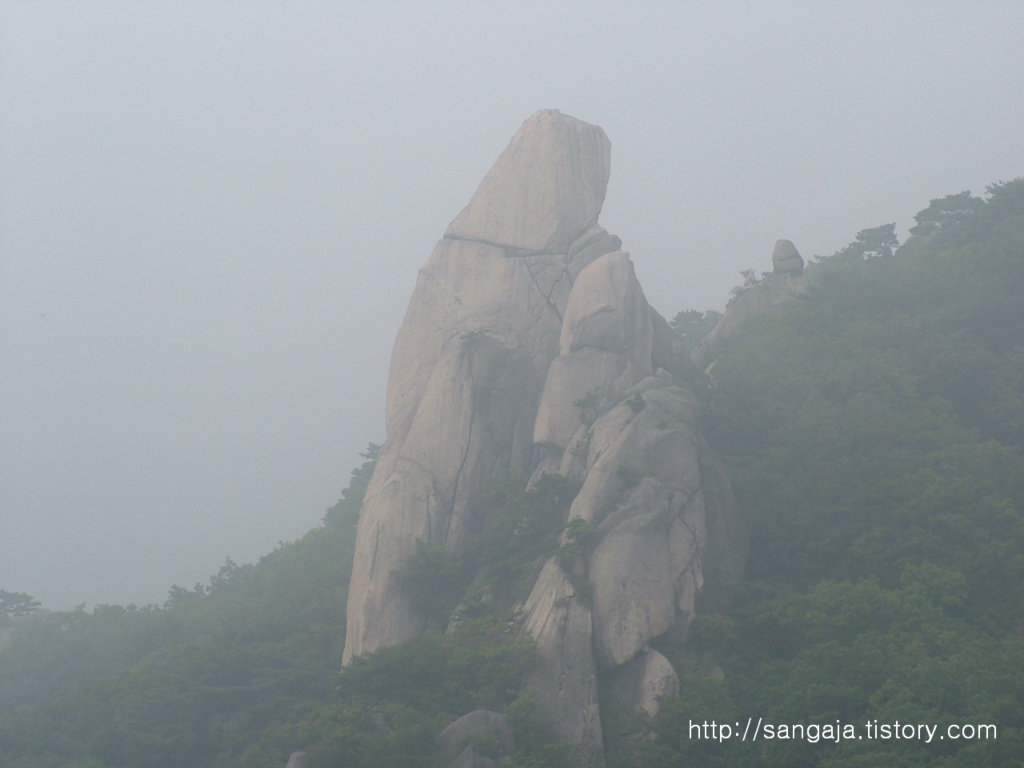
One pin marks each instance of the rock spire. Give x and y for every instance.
(525, 309)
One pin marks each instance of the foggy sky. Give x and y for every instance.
(212, 216)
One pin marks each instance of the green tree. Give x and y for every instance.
(945, 212)
(15, 604)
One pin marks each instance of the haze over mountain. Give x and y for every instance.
(211, 218)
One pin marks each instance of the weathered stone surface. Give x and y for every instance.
(473, 417)
(545, 189)
(470, 360)
(634, 596)
(570, 379)
(786, 258)
(528, 346)
(298, 760)
(467, 288)
(651, 443)
(642, 488)
(458, 744)
(636, 688)
(574, 461)
(607, 310)
(566, 679)
(605, 347)
(687, 541)
(589, 246)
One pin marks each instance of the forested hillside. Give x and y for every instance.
(873, 433)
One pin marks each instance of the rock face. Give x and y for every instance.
(477, 740)
(636, 688)
(604, 345)
(565, 681)
(529, 347)
(786, 282)
(471, 357)
(546, 188)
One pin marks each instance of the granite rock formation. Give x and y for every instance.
(529, 347)
(785, 283)
(457, 744)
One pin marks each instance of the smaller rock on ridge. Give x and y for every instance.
(545, 189)
(786, 258)
(786, 282)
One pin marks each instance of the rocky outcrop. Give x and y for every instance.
(545, 189)
(471, 357)
(786, 258)
(635, 690)
(480, 739)
(565, 681)
(784, 284)
(529, 347)
(605, 347)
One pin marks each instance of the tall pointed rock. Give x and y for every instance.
(471, 357)
(545, 189)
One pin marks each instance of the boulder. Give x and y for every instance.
(545, 189)
(607, 310)
(639, 438)
(477, 740)
(781, 287)
(643, 490)
(593, 243)
(605, 346)
(786, 258)
(636, 690)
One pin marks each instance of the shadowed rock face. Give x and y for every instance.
(529, 346)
